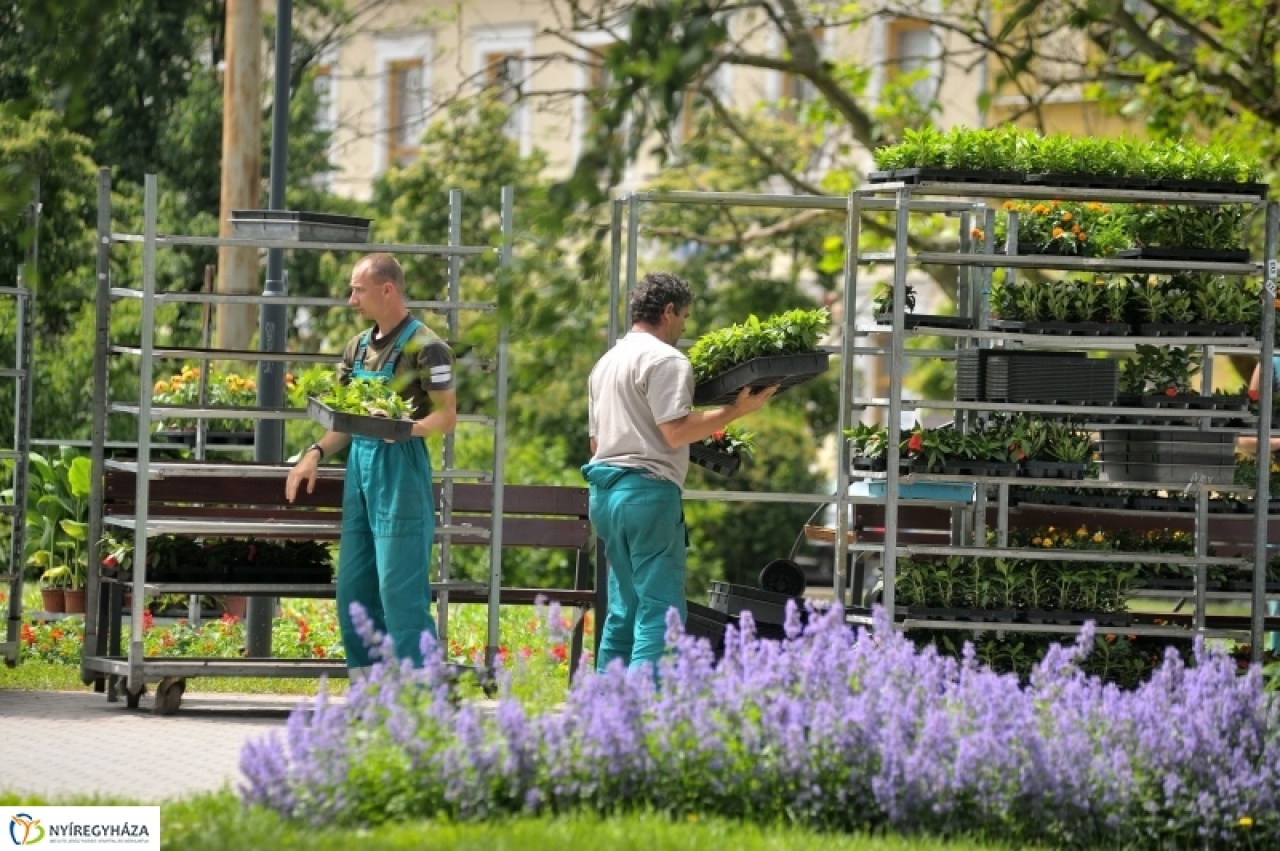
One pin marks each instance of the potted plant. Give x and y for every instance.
(1182, 232)
(882, 306)
(868, 447)
(1086, 229)
(724, 451)
(1160, 376)
(219, 389)
(363, 406)
(57, 520)
(781, 349)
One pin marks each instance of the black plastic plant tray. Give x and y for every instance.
(1236, 585)
(269, 575)
(1216, 187)
(759, 373)
(945, 175)
(380, 427)
(1163, 503)
(1185, 401)
(1205, 255)
(1190, 329)
(927, 320)
(714, 460)
(1077, 329)
(766, 607)
(1064, 617)
(1099, 181)
(969, 467)
(931, 613)
(1053, 470)
(299, 225)
(861, 463)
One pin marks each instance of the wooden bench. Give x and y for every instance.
(202, 500)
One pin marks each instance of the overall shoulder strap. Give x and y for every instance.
(401, 342)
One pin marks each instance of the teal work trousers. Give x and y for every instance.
(384, 556)
(639, 518)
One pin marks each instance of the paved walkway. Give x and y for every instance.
(56, 744)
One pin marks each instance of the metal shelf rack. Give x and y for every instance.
(112, 667)
(903, 198)
(24, 341)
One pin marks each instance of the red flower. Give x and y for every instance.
(915, 443)
(1254, 395)
(110, 561)
(717, 435)
(319, 652)
(560, 653)
(1171, 391)
(148, 620)
(28, 634)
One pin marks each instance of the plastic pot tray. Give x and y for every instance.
(945, 175)
(365, 426)
(765, 606)
(296, 225)
(713, 459)
(759, 373)
(1208, 255)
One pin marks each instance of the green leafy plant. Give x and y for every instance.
(366, 397)
(882, 298)
(1214, 298)
(733, 440)
(57, 517)
(1086, 229)
(1161, 300)
(1160, 369)
(1065, 442)
(792, 332)
(222, 389)
(868, 441)
(1180, 226)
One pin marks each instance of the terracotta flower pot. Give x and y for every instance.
(74, 601)
(52, 599)
(237, 606)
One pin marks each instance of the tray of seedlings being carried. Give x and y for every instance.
(299, 225)
(364, 407)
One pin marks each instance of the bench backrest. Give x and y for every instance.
(546, 516)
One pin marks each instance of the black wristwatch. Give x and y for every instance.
(317, 447)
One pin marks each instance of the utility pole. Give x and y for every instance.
(241, 166)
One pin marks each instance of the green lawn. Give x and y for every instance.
(217, 822)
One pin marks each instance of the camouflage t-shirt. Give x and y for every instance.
(426, 363)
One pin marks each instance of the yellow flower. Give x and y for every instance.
(1048, 543)
(1066, 215)
(1275, 468)
(1057, 232)
(161, 387)
(1035, 542)
(1011, 205)
(1082, 532)
(1097, 538)
(1246, 821)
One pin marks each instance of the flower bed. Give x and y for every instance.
(830, 729)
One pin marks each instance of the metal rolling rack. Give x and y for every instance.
(24, 338)
(903, 201)
(621, 282)
(110, 667)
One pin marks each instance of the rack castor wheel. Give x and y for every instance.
(169, 695)
(132, 698)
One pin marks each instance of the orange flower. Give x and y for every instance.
(1082, 236)
(1057, 232)
(1066, 215)
(977, 233)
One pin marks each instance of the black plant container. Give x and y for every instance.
(1053, 469)
(1089, 181)
(759, 373)
(1215, 187)
(723, 463)
(1077, 329)
(1201, 255)
(945, 175)
(927, 320)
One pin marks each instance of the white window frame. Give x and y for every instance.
(390, 48)
(882, 53)
(329, 61)
(508, 39)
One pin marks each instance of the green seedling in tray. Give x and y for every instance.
(366, 397)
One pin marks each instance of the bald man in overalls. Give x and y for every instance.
(388, 509)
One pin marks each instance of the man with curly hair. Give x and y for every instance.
(641, 422)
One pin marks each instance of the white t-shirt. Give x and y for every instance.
(639, 384)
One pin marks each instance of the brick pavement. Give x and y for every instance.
(56, 744)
